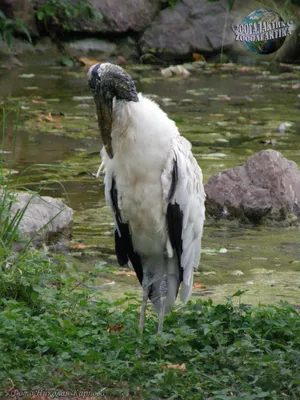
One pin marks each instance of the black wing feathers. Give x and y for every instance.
(175, 220)
(123, 244)
(174, 181)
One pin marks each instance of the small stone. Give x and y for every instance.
(26, 76)
(82, 98)
(237, 273)
(177, 70)
(223, 250)
(284, 126)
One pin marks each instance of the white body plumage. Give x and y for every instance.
(145, 143)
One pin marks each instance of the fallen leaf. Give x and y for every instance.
(82, 98)
(198, 57)
(125, 273)
(31, 88)
(286, 67)
(115, 328)
(57, 127)
(198, 285)
(15, 61)
(223, 97)
(88, 61)
(244, 69)
(49, 117)
(78, 246)
(38, 101)
(122, 60)
(27, 76)
(181, 367)
(109, 283)
(296, 86)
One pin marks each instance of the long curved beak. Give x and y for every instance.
(104, 114)
(108, 81)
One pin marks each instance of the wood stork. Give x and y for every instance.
(153, 186)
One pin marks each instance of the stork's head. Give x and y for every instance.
(108, 81)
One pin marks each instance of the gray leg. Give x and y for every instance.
(144, 306)
(163, 295)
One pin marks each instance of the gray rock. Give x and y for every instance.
(120, 16)
(45, 219)
(23, 10)
(266, 187)
(191, 26)
(44, 52)
(100, 48)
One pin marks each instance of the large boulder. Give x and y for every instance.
(45, 219)
(265, 188)
(191, 26)
(120, 16)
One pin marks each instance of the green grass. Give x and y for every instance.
(55, 334)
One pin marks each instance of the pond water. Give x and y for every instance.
(227, 112)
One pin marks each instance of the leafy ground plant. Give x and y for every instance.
(57, 332)
(8, 27)
(62, 13)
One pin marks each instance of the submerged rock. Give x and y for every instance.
(191, 26)
(265, 188)
(45, 219)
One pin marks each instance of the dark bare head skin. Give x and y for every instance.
(108, 81)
